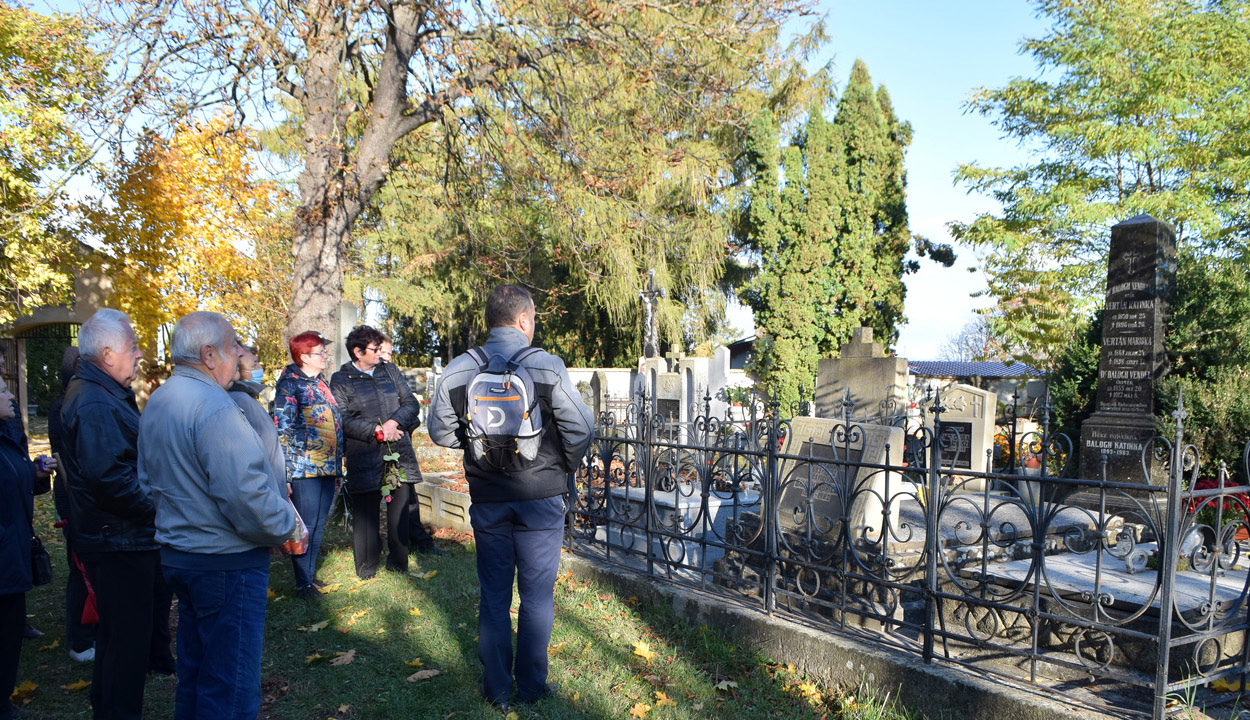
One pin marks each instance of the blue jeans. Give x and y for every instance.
(521, 538)
(221, 628)
(312, 498)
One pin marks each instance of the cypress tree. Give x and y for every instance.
(827, 216)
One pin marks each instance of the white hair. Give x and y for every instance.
(107, 328)
(195, 330)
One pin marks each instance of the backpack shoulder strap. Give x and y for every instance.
(523, 353)
(480, 356)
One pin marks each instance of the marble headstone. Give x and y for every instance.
(825, 484)
(875, 385)
(967, 434)
(1141, 279)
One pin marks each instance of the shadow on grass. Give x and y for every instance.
(393, 622)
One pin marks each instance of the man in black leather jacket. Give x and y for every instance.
(374, 399)
(112, 519)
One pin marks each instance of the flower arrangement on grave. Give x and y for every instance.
(1230, 507)
(392, 473)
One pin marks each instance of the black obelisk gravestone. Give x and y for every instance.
(1141, 282)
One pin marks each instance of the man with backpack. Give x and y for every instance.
(524, 429)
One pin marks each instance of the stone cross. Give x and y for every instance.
(651, 341)
(674, 356)
(861, 345)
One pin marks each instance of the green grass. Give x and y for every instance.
(394, 620)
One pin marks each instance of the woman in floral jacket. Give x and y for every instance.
(310, 430)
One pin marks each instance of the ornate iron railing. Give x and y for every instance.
(1049, 579)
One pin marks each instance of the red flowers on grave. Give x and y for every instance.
(1231, 508)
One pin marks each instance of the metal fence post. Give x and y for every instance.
(933, 493)
(771, 485)
(1168, 560)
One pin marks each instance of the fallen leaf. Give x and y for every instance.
(1223, 685)
(726, 684)
(413, 663)
(344, 658)
(427, 576)
(356, 616)
(423, 675)
(640, 710)
(415, 611)
(344, 708)
(76, 686)
(271, 594)
(661, 699)
(643, 650)
(512, 716)
(313, 658)
(555, 648)
(330, 588)
(697, 707)
(24, 690)
(315, 626)
(51, 646)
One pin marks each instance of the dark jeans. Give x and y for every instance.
(221, 628)
(521, 538)
(312, 498)
(403, 529)
(80, 637)
(12, 627)
(125, 585)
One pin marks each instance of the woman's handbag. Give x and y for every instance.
(40, 562)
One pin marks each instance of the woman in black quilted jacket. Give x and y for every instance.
(379, 414)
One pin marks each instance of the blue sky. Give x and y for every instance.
(930, 55)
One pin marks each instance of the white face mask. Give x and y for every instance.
(258, 375)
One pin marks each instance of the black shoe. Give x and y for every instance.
(548, 691)
(319, 583)
(430, 549)
(309, 593)
(31, 633)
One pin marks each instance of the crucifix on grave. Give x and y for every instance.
(651, 341)
(674, 357)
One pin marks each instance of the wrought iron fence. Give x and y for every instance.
(1045, 578)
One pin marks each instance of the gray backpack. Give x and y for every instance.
(505, 423)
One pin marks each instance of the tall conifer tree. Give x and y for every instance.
(831, 241)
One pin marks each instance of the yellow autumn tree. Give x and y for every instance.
(188, 224)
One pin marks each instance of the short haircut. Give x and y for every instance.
(362, 336)
(107, 328)
(195, 330)
(304, 343)
(505, 303)
(69, 365)
(250, 348)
